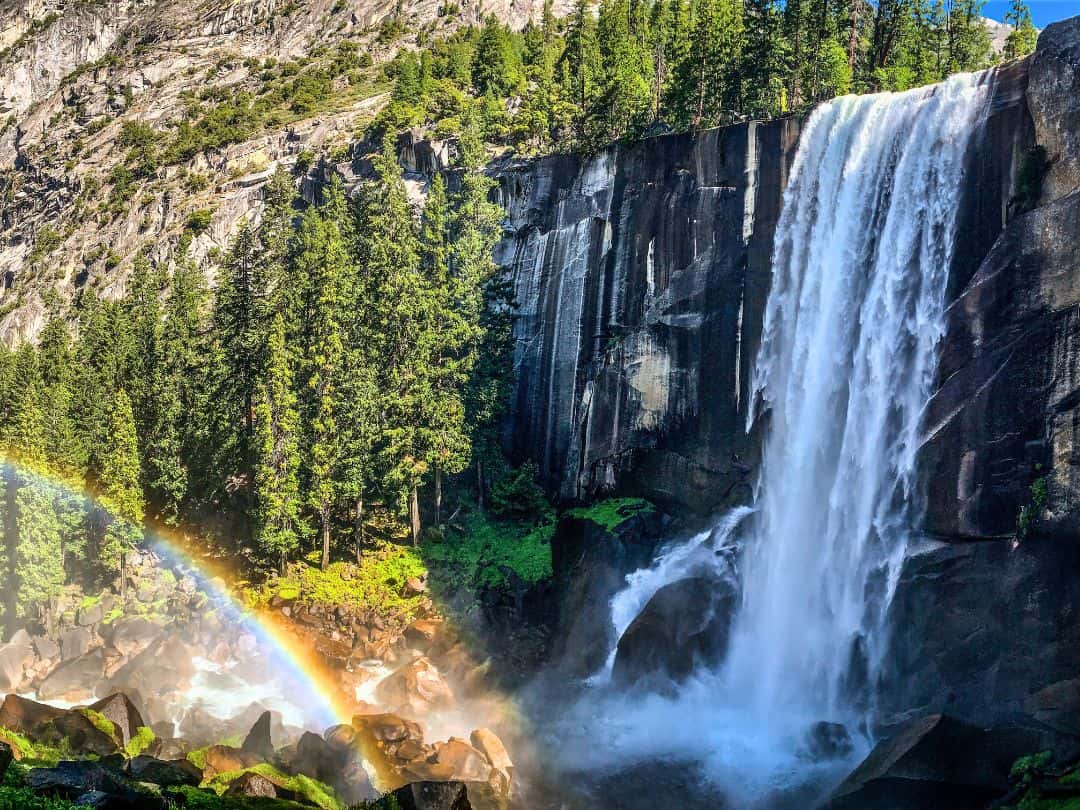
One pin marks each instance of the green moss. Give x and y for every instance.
(102, 724)
(198, 799)
(198, 756)
(488, 549)
(142, 740)
(314, 792)
(612, 512)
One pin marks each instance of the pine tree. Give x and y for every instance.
(624, 94)
(705, 91)
(277, 443)
(1023, 38)
(121, 494)
(322, 257)
(581, 67)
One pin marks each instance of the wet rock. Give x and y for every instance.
(74, 680)
(258, 740)
(46, 648)
(684, 625)
(252, 785)
(934, 761)
(130, 636)
(502, 767)
(22, 715)
(825, 741)
(225, 759)
(423, 634)
(76, 643)
(166, 773)
(429, 796)
(453, 760)
(170, 749)
(161, 669)
(70, 780)
(15, 656)
(119, 709)
(415, 688)
(6, 757)
(90, 615)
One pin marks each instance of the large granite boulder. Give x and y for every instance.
(15, 657)
(166, 773)
(121, 712)
(71, 780)
(23, 715)
(74, 680)
(130, 636)
(415, 689)
(934, 762)
(258, 740)
(1054, 100)
(685, 625)
(590, 562)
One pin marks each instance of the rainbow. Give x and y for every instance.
(317, 691)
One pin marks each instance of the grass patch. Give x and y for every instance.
(198, 799)
(612, 512)
(488, 548)
(20, 798)
(198, 756)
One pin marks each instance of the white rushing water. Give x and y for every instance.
(846, 366)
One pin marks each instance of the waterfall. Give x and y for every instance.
(846, 366)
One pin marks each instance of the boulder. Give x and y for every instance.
(76, 643)
(457, 760)
(130, 636)
(684, 625)
(423, 634)
(934, 762)
(161, 669)
(225, 759)
(74, 680)
(415, 688)
(22, 715)
(70, 780)
(502, 767)
(46, 648)
(91, 614)
(253, 786)
(15, 656)
(428, 796)
(166, 773)
(118, 709)
(826, 741)
(77, 733)
(257, 741)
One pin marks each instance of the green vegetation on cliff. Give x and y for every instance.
(610, 513)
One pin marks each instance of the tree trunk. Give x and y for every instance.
(325, 518)
(358, 526)
(414, 516)
(854, 38)
(123, 577)
(438, 496)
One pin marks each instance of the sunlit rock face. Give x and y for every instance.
(640, 275)
(1005, 412)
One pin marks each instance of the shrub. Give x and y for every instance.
(199, 221)
(518, 494)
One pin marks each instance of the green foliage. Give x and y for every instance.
(376, 582)
(199, 221)
(488, 549)
(612, 512)
(1032, 512)
(1028, 767)
(312, 791)
(18, 798)
(1029, 179)
(517, 493)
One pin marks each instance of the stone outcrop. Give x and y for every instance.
(640, 276)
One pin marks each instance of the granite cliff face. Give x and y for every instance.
(641, 276)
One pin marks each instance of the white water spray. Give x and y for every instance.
(847, 363)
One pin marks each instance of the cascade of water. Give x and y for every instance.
(846, 366)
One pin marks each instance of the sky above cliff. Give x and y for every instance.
(1043, 12)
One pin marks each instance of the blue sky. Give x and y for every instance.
(1043, 12)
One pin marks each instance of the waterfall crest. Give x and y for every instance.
(846, 366)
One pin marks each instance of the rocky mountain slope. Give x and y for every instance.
(120, 121)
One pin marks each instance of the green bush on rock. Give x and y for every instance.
(612, 512)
